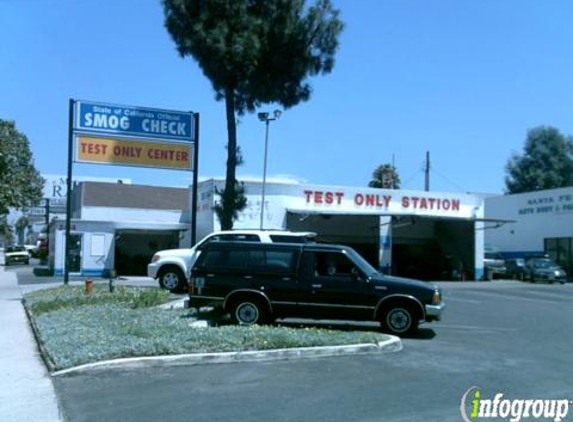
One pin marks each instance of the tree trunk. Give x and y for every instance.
(228, 197)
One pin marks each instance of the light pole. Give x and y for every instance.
(265, 117)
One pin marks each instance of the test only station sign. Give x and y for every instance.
(134, 136)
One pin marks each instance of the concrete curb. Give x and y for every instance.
(391, 345)
(46, 358)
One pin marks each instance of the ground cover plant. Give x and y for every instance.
(75, 328)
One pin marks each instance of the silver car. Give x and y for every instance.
(544, 269)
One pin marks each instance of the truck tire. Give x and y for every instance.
(399, 319)
(248, 311)
(172, 278)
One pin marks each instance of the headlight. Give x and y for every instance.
(436, 298)
(155, 258)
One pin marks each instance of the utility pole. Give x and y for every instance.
(427, 172)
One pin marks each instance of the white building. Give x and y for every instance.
(538, 223)
(426, 235)
(119, 226)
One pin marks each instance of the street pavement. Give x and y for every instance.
(26, 390)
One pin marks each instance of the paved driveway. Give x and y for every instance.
(506, 337)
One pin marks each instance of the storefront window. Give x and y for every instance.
(561, 251)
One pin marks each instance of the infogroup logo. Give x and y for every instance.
(474, 407)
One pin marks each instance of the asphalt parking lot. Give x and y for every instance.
(504, 337)
(508, 337)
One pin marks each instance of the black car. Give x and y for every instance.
(256, 283)
(516, 269)
(544, 269)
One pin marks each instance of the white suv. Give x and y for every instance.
(172, 267)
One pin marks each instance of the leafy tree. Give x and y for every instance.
(20, 183)
(254, 52)
(546, 163)
(6, 236)
(385, 176)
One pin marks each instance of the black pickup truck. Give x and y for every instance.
(257, 283)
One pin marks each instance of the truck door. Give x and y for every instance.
(331, 289)
(273, 273)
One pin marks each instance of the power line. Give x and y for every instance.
(449, 181)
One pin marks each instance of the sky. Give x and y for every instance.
(463, 80)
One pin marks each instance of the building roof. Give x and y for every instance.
(117, 195)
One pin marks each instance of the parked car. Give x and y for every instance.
(494, 265)
(544, 269)
(16, 255)
(172, 267)
(32, 250)
(258, 282)
(515, 268)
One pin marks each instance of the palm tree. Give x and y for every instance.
(385, 176)
(21, 225)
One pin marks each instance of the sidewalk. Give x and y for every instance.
(26, 390)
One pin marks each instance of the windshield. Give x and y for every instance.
(364, 265)
(544, 263)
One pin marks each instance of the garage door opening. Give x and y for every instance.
(360, 232)
(433, 249)
(135, 248)
(423, 248)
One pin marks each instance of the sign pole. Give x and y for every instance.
(195, 178)
(47, 223)
(69, 193)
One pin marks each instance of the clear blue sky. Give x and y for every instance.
(462, 79)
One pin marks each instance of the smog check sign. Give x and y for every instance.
(133, 136)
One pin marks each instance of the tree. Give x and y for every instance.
(20, 183)
(385, 176)
(254, 52)
(6, 236)
(21, 225)
(546, 163)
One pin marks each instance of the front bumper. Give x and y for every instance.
(434, 312)
(152, 270)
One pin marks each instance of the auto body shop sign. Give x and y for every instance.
(136, 136)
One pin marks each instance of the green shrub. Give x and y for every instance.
(150, 298)
(64, 297)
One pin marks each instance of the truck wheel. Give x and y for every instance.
(399, 320)
(172, 279)
(248, 312)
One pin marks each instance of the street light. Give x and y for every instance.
(265, 117)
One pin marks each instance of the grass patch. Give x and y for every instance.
(75, 329)
(64, 297)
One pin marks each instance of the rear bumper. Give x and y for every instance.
(434, 312)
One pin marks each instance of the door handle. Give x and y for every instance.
(317, 286)
(248, 277)
(210, 275)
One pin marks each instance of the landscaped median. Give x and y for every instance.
(75, 328)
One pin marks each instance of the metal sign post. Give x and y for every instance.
(69, 192)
